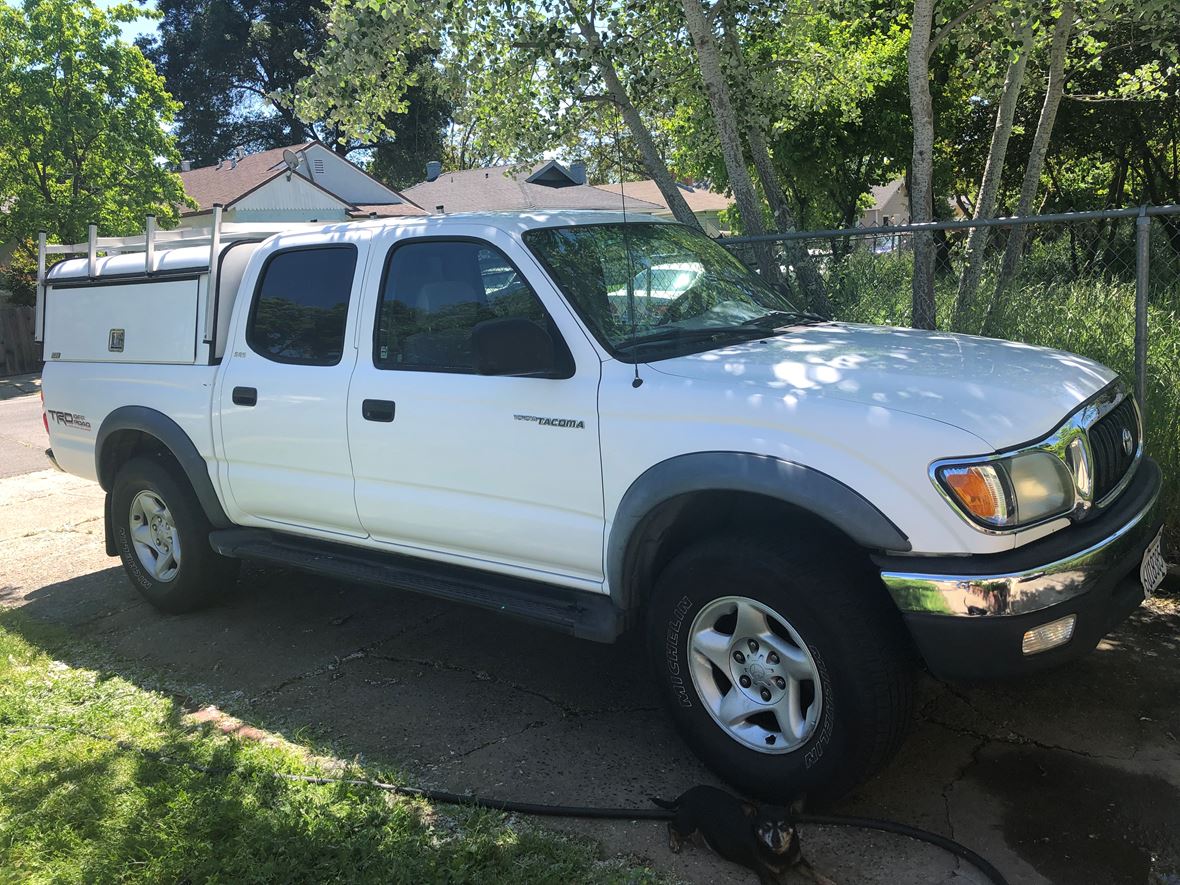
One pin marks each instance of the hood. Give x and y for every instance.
(1002, 392)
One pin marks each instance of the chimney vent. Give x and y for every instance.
(439, 209)
(233, 162)
(433, 170)
(578, 171)
(186, 165)
(240, 153)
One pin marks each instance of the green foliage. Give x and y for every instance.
(82, 124)
(80, 800)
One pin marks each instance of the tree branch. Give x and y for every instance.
(946, 29)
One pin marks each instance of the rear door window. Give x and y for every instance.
(300, 307)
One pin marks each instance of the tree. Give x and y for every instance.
(989, 186)
(810, 281)
(1054, 89)
(922, 163)
(726, 122)
(230, 62)
(533, 73)
(224, 59)
(83, 120)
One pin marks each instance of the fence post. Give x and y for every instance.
(1142, 262)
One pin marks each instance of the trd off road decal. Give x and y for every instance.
(541, 421)
(69, 419)
(672, 652)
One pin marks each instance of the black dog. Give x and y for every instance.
(761, 838)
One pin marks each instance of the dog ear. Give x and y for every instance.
(749, 809)
(798, 805)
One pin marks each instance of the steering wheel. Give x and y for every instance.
(676, 308)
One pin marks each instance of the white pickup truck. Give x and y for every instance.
(597, 423)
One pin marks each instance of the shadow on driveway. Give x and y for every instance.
(1067, 776)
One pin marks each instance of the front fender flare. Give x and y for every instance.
(796, 484)
(170, 434)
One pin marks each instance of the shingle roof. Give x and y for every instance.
(883, 193)
(496, 189)
(225, 183)
(699, 199)
(228, 182)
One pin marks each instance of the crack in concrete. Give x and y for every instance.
(1016, 739)
(567, 711)
(338, 660)
(58, 530)
(1013, 738)
(972, 761)
(538, 723)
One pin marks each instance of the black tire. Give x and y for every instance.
(851, 629)
(202, 576)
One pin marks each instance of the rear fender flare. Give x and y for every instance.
(170, 434)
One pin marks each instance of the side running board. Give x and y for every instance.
(579, 613)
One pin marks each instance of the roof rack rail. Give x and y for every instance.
(151, 242)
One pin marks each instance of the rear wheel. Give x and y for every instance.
(162, 536)
(787, 672)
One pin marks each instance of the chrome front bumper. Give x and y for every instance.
(1056, 569)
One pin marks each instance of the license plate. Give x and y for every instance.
(1153, 568)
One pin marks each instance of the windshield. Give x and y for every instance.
(655, 289)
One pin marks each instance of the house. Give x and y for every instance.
(496, 188)
(303, 182)
(705, 204)
(891, 205)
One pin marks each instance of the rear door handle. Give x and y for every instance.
(381, 410)
(245, 396)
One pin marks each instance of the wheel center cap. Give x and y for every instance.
(757, 672)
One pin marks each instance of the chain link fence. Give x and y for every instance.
(1081, 282)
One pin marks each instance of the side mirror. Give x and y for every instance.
(513, 346)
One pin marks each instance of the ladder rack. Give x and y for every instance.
(151, 243)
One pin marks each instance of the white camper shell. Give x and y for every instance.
(145, 299)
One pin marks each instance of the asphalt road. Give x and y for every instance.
(1068, 777)
(22, 435)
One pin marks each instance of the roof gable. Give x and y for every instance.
(552, 174)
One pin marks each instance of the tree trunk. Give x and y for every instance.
(985, 203)
(652, 161)
(922, 164)
(810, 282)
(1036, 156)
(725, 121)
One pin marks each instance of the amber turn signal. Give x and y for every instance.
(980, 492)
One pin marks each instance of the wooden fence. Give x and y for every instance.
(18, 352)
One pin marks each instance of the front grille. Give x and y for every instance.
(1111, 461)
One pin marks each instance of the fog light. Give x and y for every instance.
(1049, 635)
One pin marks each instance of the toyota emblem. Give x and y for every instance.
(1128, 442)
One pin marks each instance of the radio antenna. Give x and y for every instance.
(636, 381)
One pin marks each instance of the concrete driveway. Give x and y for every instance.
(1068, 777)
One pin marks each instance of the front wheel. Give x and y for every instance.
(786, 672)
(162, 536)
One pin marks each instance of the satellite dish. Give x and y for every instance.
(292, 160)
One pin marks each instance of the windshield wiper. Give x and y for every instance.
(781, 319)
(675, 334)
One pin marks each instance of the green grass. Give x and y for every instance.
(1052, 304)
(76, 806)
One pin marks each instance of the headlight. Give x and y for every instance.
(1010, 492)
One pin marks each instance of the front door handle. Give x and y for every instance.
(381, 410)
(245, 396)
